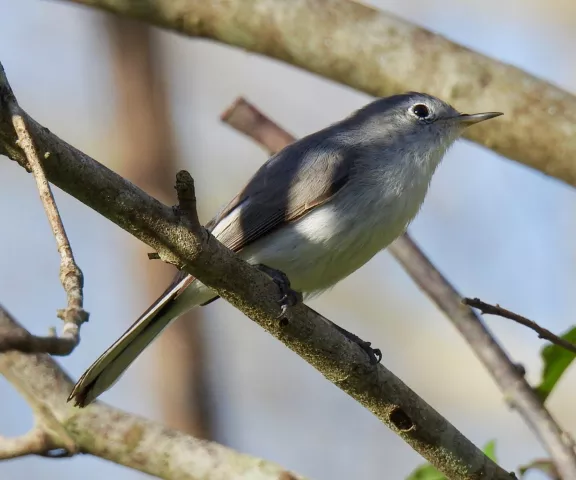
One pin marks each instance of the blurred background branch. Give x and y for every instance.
(112, 434)
(150, 160)
(380, 54)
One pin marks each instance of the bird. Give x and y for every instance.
(313, 213)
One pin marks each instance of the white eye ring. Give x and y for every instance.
(420, 110)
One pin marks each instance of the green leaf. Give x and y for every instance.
(556, 360)
(490, 450)
(428, 472)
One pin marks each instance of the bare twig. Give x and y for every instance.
(186, 197)
(250, 121)
(247, 119)
(504, 372)
(489, 309)
(35, 442)
(70, 274)
(112, 434)
(308, 334)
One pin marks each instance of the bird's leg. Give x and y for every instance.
(374, 354)
(289, 296)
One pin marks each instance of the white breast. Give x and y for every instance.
(331, 242)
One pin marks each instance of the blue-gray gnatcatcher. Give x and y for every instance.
(317, 210)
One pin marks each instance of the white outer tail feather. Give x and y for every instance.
(112, 364)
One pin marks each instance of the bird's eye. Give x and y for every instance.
(421, 110)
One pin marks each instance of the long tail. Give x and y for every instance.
(110, 366)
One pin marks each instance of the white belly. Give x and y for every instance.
(324, 247)
(339, 237)
(332, 241)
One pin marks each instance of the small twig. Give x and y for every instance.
(247, 119)
(71, 276)
(35, 442)
(489, 309)
(186, 197)
(505, 373)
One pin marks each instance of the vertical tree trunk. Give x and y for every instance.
(149, 160)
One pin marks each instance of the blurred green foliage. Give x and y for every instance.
(555, 361)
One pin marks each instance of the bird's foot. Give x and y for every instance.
(374, 354)
(289, 297)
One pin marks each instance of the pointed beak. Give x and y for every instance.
(468, 120)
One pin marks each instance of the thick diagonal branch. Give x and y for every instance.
(513, 385)
(251, 291)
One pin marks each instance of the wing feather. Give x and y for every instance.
(295, 181)
(292, 183)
